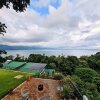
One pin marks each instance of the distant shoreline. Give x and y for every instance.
(49, 52)
(52, 49)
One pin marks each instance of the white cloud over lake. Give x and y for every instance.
(74, 24)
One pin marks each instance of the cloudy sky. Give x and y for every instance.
(54, 23)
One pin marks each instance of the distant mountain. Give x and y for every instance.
(6, 47)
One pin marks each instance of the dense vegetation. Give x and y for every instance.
(84, 71)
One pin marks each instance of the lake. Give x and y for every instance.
(77, 53)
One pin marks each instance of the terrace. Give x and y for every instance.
(36, 89)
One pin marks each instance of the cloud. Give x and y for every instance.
(67, 24)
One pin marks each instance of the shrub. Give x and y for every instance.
(58, 76)
(67, 90)
(86, 74)
(1, 65)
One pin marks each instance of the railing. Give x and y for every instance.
(76, 91)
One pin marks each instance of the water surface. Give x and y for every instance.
(77, 53)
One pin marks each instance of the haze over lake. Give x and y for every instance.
(77, 53)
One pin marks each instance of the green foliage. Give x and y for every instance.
(1, 65)
(73, 59)
(67, 90)
(98, 64)
(90, 86)
(83, 70)
(86, 88)
(37, 58)
(18, 58)
(2, 59)
(18, 5)
(78, 81)
(51, 66)
(97, 56)
(97, 82)
(93, 61)
(86, 74)
(85, 58)
(10, 57)
(83, 64)
(43, 75)
(58, 76)
(2, 28)
(3, 52)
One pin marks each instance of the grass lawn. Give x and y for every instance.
(7, 80)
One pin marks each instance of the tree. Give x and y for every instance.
(73, 59)
(2, 28)
(86, 74)
(83, 64)
(97, 82)
(51, 66)
(1, 65)
(97, 56)
(84, 58)
(98, 65)
(37, 58)
(78, 81)
(18, 5)
(10, 57)
(2, 52)
(67, 89)
(18, 58)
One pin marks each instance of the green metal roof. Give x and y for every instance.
(33, 67)
(13, 65)
(27, 65)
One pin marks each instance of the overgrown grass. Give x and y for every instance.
(7, 80)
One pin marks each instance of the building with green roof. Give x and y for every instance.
(34, 68)
(13, 65)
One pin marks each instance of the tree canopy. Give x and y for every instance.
(86, 74)
(18, 6)
(2, 28)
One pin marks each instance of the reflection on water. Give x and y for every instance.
(77, 53)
